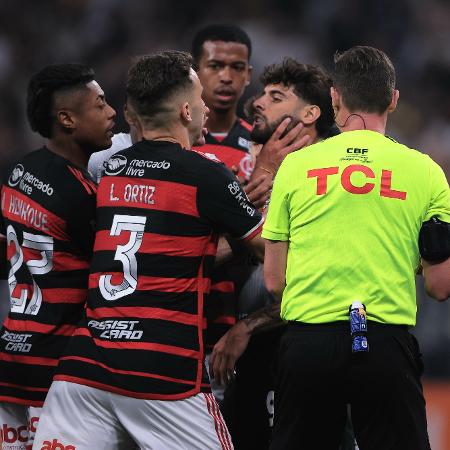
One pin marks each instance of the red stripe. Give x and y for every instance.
(81, 178)
(161, 348)
(167, 196)
(159, 244)
(116, 390)
(34, 360)
(230, 156)
(42, 220)
(128, 372)
(255, 232)
(64, 295)
(146, 283)
(21, 401)
(223, 427)
(223, 286)
(55, 295)
(228, 320)
(24, 388)
(143, 312)
(62, 261)
(246, 125)
(211, 402)
(216, 427)
(204, 285)
(36, 327)
(66, 261)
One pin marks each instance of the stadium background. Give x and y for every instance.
(107, 33)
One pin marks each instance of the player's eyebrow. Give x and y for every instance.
(276, 92)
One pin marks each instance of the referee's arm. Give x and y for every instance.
(275, 267)
(437, 279)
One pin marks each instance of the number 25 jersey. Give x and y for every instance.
(48, 209)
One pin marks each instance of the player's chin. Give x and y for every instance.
(105, 143)
(223, 106)
(200, 140)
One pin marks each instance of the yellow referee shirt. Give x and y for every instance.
(351, 208)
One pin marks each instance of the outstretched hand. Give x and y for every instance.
(227, 351)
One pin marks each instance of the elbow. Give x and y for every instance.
(275, 286)
(439, 292)
(439, 295)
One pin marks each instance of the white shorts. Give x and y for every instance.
(77, 417)
(18, 426)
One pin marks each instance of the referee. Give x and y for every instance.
(343, 226)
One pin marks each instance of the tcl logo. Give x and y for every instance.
(55, 445)
(10, 435)
(386, 189)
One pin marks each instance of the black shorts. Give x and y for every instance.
(248, 403)
(318, 375)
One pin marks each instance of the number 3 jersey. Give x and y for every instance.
(159, 211)
(48, 209)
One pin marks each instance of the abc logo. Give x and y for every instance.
(16, 175)
(10, 435)
(55, 445)
(115, 164)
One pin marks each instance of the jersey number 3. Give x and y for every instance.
(126, 254)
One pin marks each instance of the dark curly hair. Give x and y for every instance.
(47, 83)
(310, 83)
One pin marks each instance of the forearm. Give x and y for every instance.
(264, 319)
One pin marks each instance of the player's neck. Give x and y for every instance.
(312, 133)
(175, 135)
(221, 121)
(70, 150)
(352, 121)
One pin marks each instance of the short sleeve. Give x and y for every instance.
(221, 199)
(81, 215)
(96, 164)
(276, 227)
(439, 196)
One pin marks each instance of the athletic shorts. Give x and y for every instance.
(78, 417)
(318, 375)
(18, 426)
(248, 406)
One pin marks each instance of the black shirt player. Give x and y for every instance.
(48, 209)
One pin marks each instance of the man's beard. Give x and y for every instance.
(263, 134)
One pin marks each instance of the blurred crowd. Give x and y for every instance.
(107, 33)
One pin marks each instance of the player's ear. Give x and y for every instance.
(310, 114)
(335, 100)
(65, 119)
(186, 112)
(393, 104)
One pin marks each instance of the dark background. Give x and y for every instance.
(107, 33)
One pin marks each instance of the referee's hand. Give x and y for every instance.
(227, 351)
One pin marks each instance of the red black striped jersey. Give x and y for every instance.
(233, 150)
(159, 210)
(221, 309)
(48, 209)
